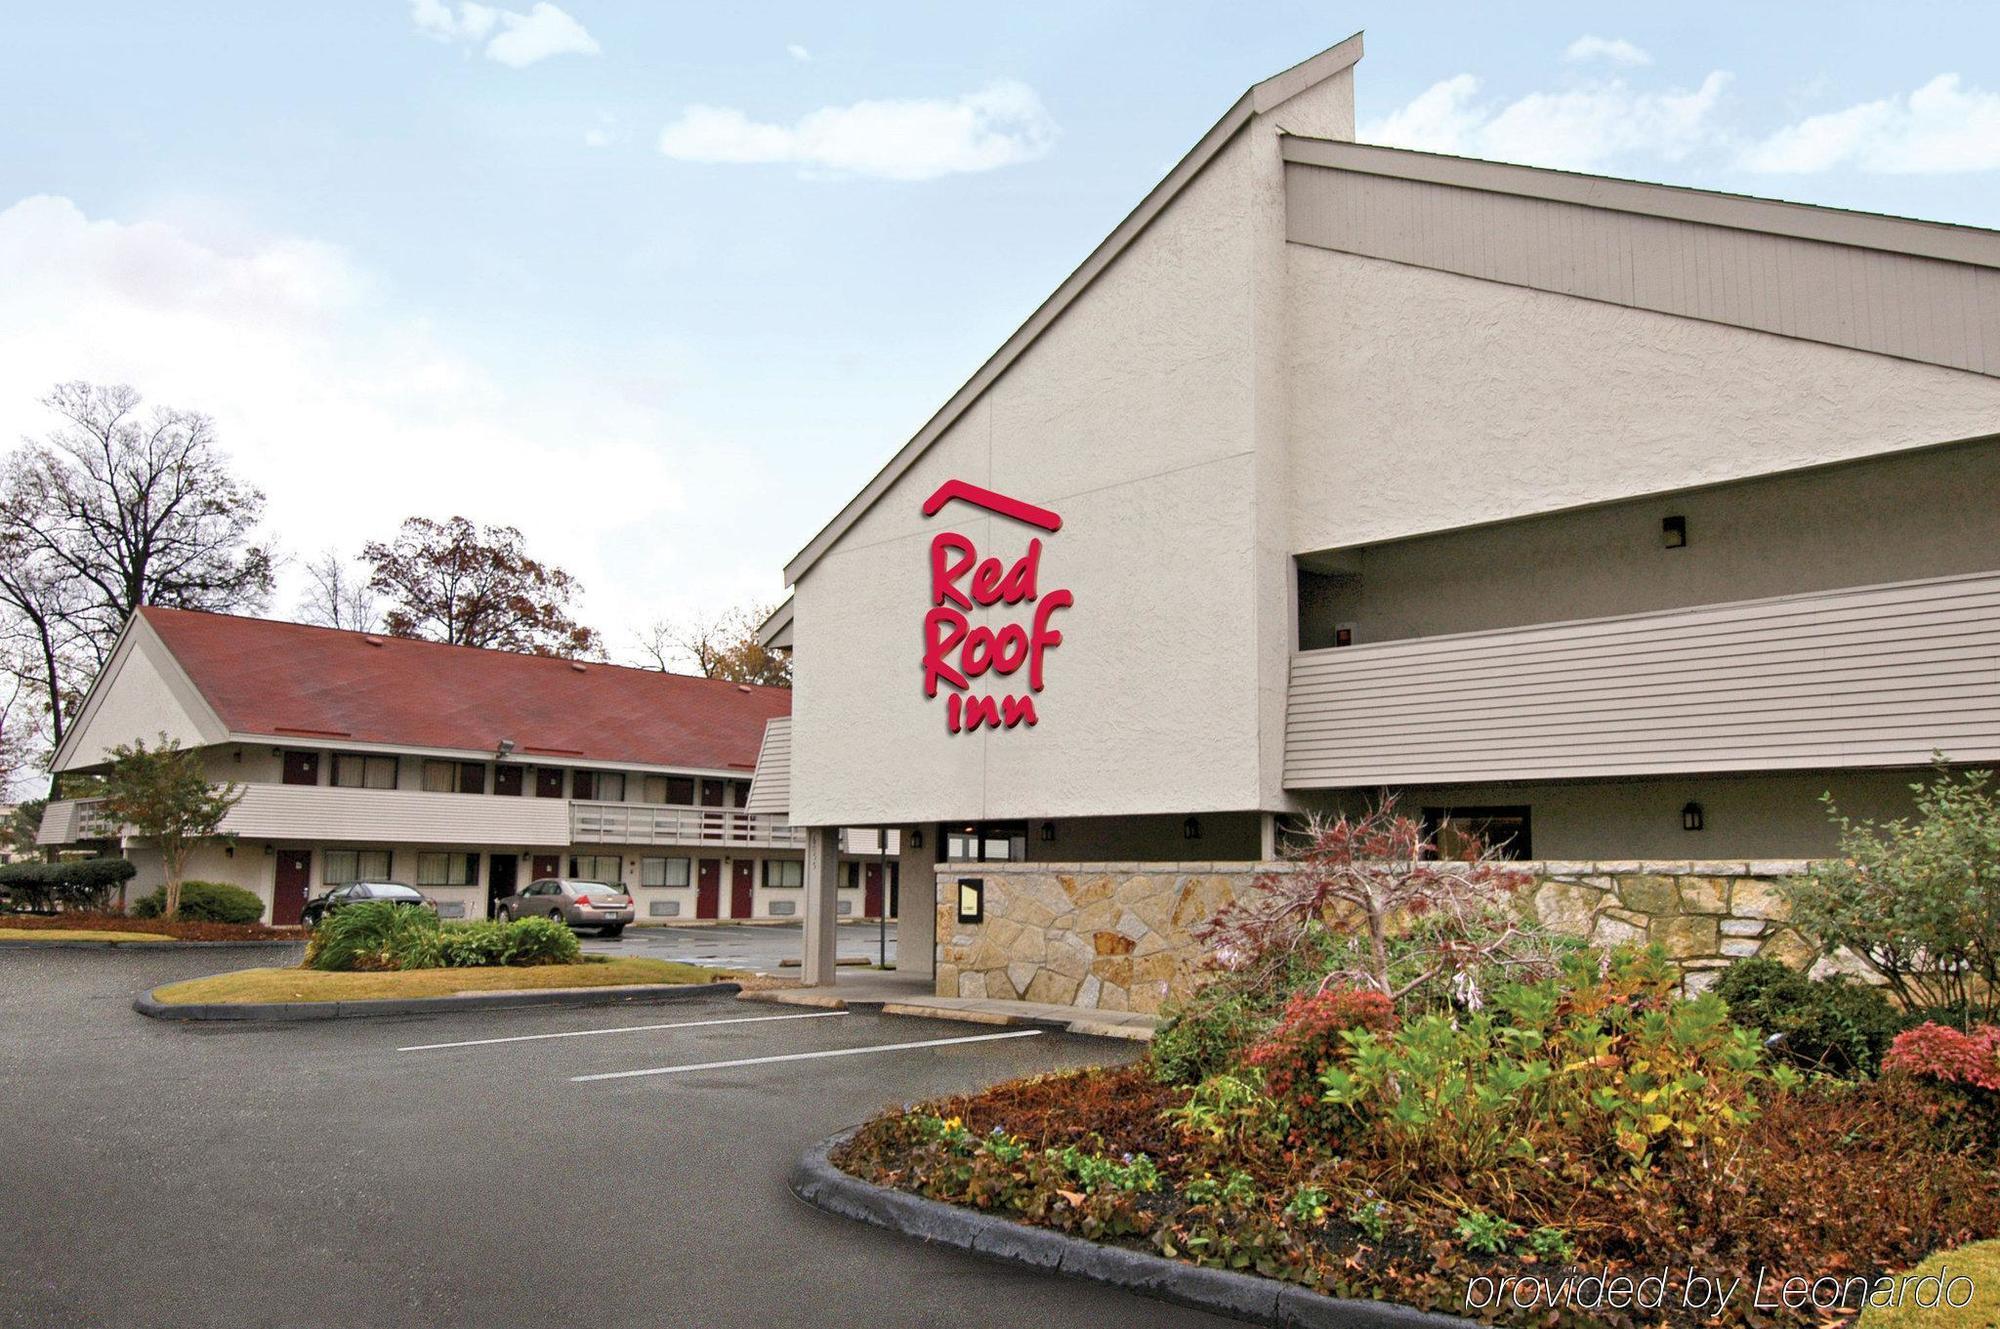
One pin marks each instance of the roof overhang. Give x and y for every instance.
(1804, 221)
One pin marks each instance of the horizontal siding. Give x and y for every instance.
(1906, 305)
(771, 786)
(1874, 676)
(396, 816)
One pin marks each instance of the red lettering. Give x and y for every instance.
(981, 711)
(1045, 638)
(944, 572)
(944, 629)
(1017, 710)
(1020, 583)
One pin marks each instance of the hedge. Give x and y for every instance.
(204, 902)
(83, 883)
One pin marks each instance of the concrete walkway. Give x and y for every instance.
(897, 994)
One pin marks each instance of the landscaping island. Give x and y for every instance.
(1394, 1086)
(289, 985)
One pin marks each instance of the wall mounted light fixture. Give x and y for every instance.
(1191, 829)
(1673, 532)
(1048, 832)
(1691, 817)
(916, 837)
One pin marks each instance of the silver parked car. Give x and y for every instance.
(581, 904)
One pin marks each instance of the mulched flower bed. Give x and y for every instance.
(179, 931)
(1835, 1179)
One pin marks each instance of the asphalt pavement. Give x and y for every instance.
(536, 1166)
(739, 946)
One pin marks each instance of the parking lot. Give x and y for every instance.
(764, 946)
(609, 1166)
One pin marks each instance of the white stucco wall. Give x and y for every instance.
(141, 695)
(1424, 401)
(1136, 417)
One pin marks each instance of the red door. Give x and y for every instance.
(708, 888)
(546, 866)
(742, 881)
(301, 767)
(871, 896)
(288, 896)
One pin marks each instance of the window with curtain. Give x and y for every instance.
(353, 771)
(595, 867)
(664, 871)
(440, 869)
(341, 866)
(784, 872)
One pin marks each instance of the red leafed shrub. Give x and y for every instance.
(1307, 1040)
(1374, 878)
(1950, 1056)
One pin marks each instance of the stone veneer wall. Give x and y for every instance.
(1118, 936)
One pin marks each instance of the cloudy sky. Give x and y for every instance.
(662, 284)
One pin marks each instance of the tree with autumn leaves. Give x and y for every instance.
(468, 585)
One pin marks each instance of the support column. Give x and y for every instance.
(916, 919)
(1267, 836)
(822, 904)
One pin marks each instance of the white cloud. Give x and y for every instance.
(1942, 127)
(798, 53)
(1576, 129)
(353, 414)
(511, 38)
(916, 139)
(1616, 50)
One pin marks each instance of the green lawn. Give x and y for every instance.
(76, 934)
(263, 985)
(1980, 1263)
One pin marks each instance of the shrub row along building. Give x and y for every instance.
(1616, 522)
(464, 772)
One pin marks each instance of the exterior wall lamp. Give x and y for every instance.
(1048, 832)
(916, 837)
(1673, 532)
(1191, 829)
(1691, 817)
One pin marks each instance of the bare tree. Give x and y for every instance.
(725, 646)
(111, 511)
(337, 596)
(470, 585)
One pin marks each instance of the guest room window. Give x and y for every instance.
(351, 771)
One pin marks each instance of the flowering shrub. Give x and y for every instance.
(1949, 1056)
(1378, 879)
(1307, 1041)
(1611, 1066)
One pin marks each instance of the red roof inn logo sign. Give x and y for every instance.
(958, 655)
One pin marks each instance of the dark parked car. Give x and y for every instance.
(356, 892)
(581, 904)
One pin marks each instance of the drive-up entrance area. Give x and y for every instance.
(608, 1166)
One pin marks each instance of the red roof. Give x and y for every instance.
(292, 681)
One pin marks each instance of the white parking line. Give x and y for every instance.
(803, 1056)
(621, 1029)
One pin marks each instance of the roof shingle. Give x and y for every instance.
(290, 680)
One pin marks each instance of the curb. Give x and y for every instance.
(1082, 1025)
(815, 1180)
(164, 944)
(281, 1011)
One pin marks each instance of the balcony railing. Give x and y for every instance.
(640, 823)
(410, 816)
